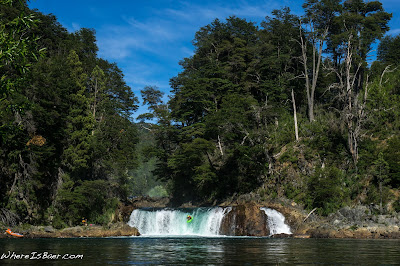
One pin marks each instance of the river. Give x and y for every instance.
(193, 250)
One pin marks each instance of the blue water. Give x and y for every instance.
(201, 251)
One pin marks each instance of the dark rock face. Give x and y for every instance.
(123, 213)
(282, 235)
(49, 229)
(245, 220)
(148, 202)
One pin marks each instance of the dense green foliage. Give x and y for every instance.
(67, 140)
(229, 125)
(142, 180)
(69, 148)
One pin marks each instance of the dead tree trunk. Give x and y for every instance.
(353, 112)
(295, 117)
(311, 75)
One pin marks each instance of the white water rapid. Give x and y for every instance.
(276, 222)
(206, 221)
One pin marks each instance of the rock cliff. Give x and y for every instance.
(245, 220)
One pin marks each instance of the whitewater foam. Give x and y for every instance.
(168, 222)
(276, 222)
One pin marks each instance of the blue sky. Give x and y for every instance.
(148, 38)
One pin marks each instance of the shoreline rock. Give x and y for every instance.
(357, 222)
(360, 233)
(246, 218)
(117, 229)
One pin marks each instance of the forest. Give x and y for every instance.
(298, 107)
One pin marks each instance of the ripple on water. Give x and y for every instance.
(191, 250)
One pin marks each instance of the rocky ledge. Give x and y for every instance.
(118, 229)
(359, 222)
(353, 222)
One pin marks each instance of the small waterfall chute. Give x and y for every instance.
(276, 222)
(204, 222)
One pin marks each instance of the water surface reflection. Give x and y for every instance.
(207, 251)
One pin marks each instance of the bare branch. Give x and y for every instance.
(220, 146)
(386, 70)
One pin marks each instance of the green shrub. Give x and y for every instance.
(89, 199)
(326, 190)
(392, 156)
(289, 156)
(396, 205)
(324, 135)
(353, 227)
(107, 214)
(58, 222)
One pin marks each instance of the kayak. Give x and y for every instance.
(191, 219)
(8, 231)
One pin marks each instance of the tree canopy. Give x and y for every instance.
(66, 126)
(289, 108)
(231, 128)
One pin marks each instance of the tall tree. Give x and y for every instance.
(66, 126)
(366, 22)
(359, 25)
(97, 93)
(389, 50)
(79, 120)
(280, 66)
(318, 19)
(18, 50)
(381, 173)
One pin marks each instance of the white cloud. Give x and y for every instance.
(115, 48)
(150, 36)
(155, 29)
(149, 49)
(186, 51)
(394, 31)
(178, 14)
(167, 28)
(120, 42)
(75, 26)
(71, 27)
(140, 74)
(203, 14)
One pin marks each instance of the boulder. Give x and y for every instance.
(245, 220)
(123, 213)
(282, 236)
(358, 213)
(49, 229)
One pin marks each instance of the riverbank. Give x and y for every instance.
(117, 229)
(247, 219)
(353, 222)
(358, 222)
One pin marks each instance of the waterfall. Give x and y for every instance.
(276, 222)
(206, 221)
